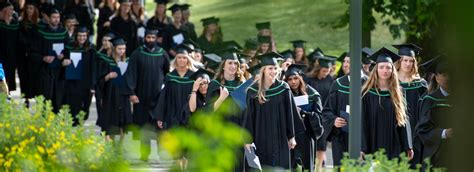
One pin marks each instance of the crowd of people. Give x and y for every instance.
(154, 73)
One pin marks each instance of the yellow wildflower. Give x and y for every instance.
(40, 149)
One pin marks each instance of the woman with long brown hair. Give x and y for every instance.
(123, 24)
(27, 67)
(160, 19)
(299, 53)
(211, 36)
(264, 45)
(271, 116)
(385, 123)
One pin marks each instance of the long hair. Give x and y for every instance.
(396, 95)
(122, 58)
(76, 45)
(259, 50)
(105, 3)
(190, 65)
(303, 58)
(261, 84)
(140, 17)
(315, 72)
(239, 75)
(216, 36)
(414, 70)
(26, 20)
(118, 11)
(301, 87)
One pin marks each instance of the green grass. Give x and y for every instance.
(291, 19)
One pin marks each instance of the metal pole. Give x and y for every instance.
(355, 27)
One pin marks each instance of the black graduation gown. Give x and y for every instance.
(213, 93)
(336, 103)
(102, 61)
(272, 124)
(127, 29)
(379, 126)
(145, 77)
(173, 98)
(116, 104)
(78, 90)
(433, 120)
(81, 12)
(8, 50)
(189, 27)
(51, 85)
(104, 15)
(155, 23)
(311, 115)
(322, 86)
(413, 92)
(170, 31)
(200, 105)
(28, 64)
(207, 46)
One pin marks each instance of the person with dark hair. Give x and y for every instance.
(433, 131)
(160, 20)
(52, 42)
(124, 25)
(9, 30)
(304, 152)
(145, 76)
(102, 62)
(175, 33)
(81, 9)
(78, 72)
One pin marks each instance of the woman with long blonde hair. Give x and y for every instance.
(271, 116)
(175, 93)
(385, 123)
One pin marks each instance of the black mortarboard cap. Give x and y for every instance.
(125, 1)
(295, 69)
(44, 7)
(118, 40)
(251, 44)
(230, 45)
(435, 65)
(81, 29)
(327, 61)
(33, 2)
(174, 8)
(366, 53)
(263, 25)
(264, 39)
(185, 7)
(254, 69)
(213, 60)
(182, 49)
(384, 55)
(70, 16)
(193, 46)
(269, 58)
(202, 73)
(298, 43)
(229, 54)
(4, 5)
(287, 54)
(343, 56)
(209, 20)
(151, 31)
(111, 35)
(408, 49)
(161, 1)
(316, 54)
(242, 60)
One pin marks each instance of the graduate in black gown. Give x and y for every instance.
(433, 129)
(106, 9)
(145, 76)
(188, 25)
(28, 61)
(175, 32)
(117, 115)
(299, 53)
(160, 19)
(102, 61)
(85, 16)
(211, 36)
(264, 45)
(175, 93)
(385, 124)
(335, 113)
(228, 78)
(270, 116)
(413, 85)
(197, 98)
(9, 32)
(52, 42)
(79, 74)
(304, 153)
(124, 25)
